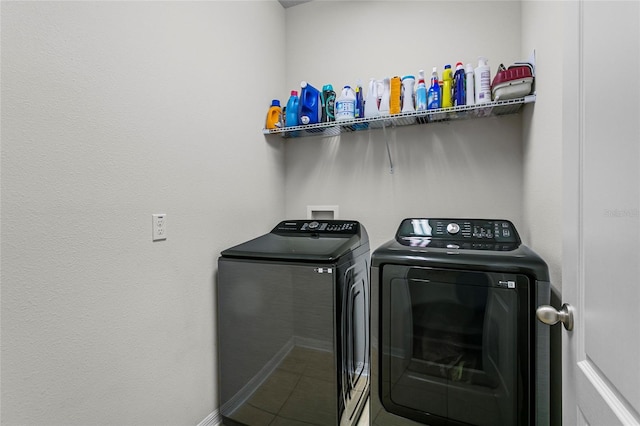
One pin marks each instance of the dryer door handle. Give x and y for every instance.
(551, 316)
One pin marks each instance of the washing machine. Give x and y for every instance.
(454, 335)
(293, 325)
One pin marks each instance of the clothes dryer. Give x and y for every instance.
(293, 325)
(454, 335)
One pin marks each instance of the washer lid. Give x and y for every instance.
(304, 240)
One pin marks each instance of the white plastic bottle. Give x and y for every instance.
(345, 107)
(483, 81)
(470, 85)
(371, 102)
(408, 81)
(386, 96)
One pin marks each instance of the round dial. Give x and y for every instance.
(313, 225)
(453, 228)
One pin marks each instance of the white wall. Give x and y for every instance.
(460, 169)
(543, 134)
(113, 111)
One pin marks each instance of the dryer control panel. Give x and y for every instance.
(476, 230)
(338, 227)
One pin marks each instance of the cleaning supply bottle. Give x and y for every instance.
(346, 105)
(470, 86)
(328, 103)
(371, 103)
(359, 100)
(459, 97)
(291, 113)
(482, 75)
(310, 104)
(408, 81)
(395, 96)
(386, 95)
(421, 93)
(447, 87)
(274, 115)
(433, 94)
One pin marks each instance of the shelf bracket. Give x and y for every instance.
(386, 141)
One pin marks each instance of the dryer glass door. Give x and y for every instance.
(455, 346)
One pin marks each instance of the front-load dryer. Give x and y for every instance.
(454, 335)
(293, 325)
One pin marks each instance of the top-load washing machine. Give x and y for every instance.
(454, 335)
(293, 325)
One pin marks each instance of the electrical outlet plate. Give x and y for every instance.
(159, 224)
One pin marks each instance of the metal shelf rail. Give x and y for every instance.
(464, 112)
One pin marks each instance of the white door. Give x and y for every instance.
(601, 255)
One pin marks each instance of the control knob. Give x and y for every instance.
(453, 228)
(313, 225)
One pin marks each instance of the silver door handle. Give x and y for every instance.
(549, 315)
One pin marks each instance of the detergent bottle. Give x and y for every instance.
(274, 115)
(408, 81)
(386, 96)
(470, 86)
(346, 105)
(395, 95)
(371, 103)
(447, 87)
(328, 103)
(459, 97)
(291, 113)
(310, 104)
(483, 81)
(359, 113)
(433, 94)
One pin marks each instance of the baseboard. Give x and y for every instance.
(213, 419)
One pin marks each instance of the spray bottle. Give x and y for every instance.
(433, 94)
(421, 93)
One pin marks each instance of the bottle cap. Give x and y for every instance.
(459, 65)
(469, 68)
(275, 102)
(408, 76)
(347, 87)
(327, 87)
(294, 93)
(303, 84)
(448, 66)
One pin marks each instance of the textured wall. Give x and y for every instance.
(113, 111)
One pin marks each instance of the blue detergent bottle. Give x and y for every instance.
(459, 93)
(310, 104)
(433, 95)
(291, 113)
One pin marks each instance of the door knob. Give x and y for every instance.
(549, 315)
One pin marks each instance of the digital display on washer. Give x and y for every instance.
(485, 231)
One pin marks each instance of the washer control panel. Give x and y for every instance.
(478, 230)
(349, 227)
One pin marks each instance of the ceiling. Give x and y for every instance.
(291, 3)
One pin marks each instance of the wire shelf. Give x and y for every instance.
(464, 112)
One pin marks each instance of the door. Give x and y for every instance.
(601, 258)
(455, 346)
